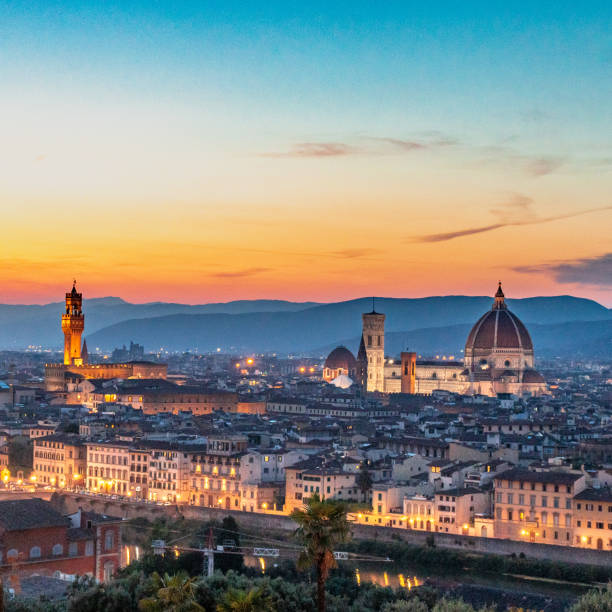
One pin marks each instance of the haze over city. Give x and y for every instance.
(214, 151)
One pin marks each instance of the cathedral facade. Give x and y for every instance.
(498, 359)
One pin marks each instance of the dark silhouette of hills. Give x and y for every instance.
(591, 339)
(439, 321)
(22, 325)
(429, 325)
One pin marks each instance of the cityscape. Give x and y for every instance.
(306, 308)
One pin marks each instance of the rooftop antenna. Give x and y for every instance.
(373, 309)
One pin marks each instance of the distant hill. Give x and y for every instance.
(22, 325)
(579, 338)
(309, 329)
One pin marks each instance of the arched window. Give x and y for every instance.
(13, 553)
(35, 552)
(507, 363)
(434, 375)
(57, 550)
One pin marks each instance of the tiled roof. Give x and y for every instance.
(35, 513)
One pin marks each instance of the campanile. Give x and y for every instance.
(373, 338)
(73, 323)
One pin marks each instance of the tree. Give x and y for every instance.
(595, 601)
(253, 600)
(228, 534)
(364, 482)
(405, 605)
(174, 594)
(322, 525)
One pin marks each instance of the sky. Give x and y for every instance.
(210, 151)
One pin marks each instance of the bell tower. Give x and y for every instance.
(73, 323)
(373, 339)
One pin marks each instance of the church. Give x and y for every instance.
(498, 359)
(76, 364)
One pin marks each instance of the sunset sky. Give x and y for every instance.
(210, 151)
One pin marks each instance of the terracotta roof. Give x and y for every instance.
(340, 357)
(35, 513)
(499, 329)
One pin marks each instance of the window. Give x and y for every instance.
(108, 571)
(109, 540)
(544, 501)
(57, 550)
(35, 552)
(73, 549)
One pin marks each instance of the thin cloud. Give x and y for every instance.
(586, 271)
(408, 145)
(355, 253)
(541, 166)
(316, 149)
(240, 273)
(443, 237)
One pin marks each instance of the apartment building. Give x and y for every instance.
(592, 509)
(536, 506)
(59, 460)
(108, 467)
(455, 509)
(328, 479)
(139, 473)
(215, 473)
(169, 469)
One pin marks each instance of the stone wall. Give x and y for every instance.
(70, 502)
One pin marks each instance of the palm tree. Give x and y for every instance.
(237, 600)
(174, 594)
(322, 526)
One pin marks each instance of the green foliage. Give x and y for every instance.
(253, 600)
(172, 594)
(457, 605)
(595, 601)
(405, 605)
(21, 452)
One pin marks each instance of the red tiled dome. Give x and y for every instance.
(341, 357)
(499, 329)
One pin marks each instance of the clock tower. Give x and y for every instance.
(73, 323)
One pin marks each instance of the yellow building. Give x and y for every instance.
(536, 506)
(108, 467)
(593, 519)
(215, 473)
(59, 460)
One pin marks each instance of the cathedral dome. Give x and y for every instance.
(498, 329)
(341, 358)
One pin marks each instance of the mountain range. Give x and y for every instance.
(559, 325)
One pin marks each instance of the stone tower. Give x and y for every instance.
(373, 339)
(73, 323)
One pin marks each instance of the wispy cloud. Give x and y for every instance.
(417, 144)
(541, 166)
(355, 253)
(515, 213)
(240, 273)
(316, 149)
(586, 271)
